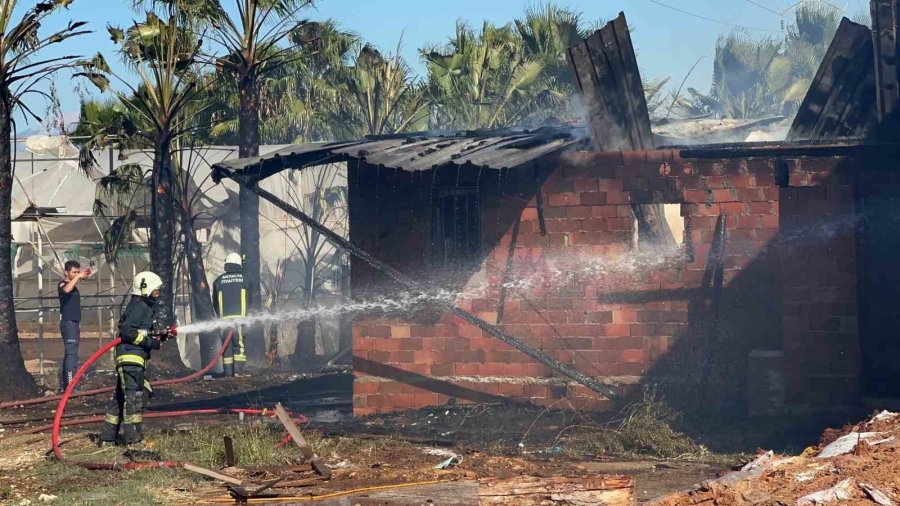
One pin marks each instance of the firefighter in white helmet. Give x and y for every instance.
(140, 335)
(230, 298)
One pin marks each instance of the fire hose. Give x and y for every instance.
(96, 391)
(60, 409)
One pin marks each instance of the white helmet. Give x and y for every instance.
(144, 283)
(233, 258)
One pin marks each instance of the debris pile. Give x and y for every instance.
(858, 463)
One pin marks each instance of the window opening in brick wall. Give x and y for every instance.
(658, 226)
(455, 226)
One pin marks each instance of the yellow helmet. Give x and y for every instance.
(145, 283)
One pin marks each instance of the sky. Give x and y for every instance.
(669, 36)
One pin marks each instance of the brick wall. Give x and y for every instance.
(583, 296)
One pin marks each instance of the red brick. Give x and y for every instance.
(400, 331)
(604, 211)
(724, 195)
(365, 387)
(362, 412)
(610, 184)
(741, 181)
(750, 195)
(624, 316)
(491, 369)
(442, 369)
(732, 207)
(618, 197)
(593, 198)
(617, 329)
(578, 212)
(760, 207)
(377, 331)
(537, 391)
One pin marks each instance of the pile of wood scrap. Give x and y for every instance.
(445, 483)
(857, 464)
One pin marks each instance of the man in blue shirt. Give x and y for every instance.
(70, 320)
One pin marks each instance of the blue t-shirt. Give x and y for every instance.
(69, 303)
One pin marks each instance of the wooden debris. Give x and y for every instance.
(308, 453)
(244, 492)
(841, 100)
(300, 468)
(610, 83)
(230, 459)
(307, 482)
(609, 490)
(213, 474)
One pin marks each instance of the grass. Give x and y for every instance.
(253, 444)
(643, 428)
(202, 445)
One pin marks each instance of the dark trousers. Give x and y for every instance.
(234, 358)
(127, 409)
(71, 336)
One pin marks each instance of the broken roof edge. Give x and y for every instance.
(819, 148)
(495, 149)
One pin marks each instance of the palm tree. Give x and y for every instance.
(384, 99)
(304, 100)
(757, 78)
(160, 111)
(24, 65)
(252, 41)
(547, 33)
(805, 44)
(484, 79)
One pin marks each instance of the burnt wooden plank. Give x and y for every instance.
(842, 93)
(598, 115)
(230, 459)
(851, 41)
(635, 85)
(603, 44)
(884, 35)
(213, 474)
(307, 451)
(860, 116)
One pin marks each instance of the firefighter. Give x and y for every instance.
(140, 335)
(230, 297)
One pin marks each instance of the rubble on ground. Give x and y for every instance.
(857, 464)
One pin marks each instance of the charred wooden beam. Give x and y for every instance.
(841, 100)
(318, 466)
(610, 83)
(608, 77)
(884, 38)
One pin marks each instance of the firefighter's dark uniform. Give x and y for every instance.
(230, 296)
(132, 354)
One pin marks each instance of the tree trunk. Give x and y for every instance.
(162, 229)
(201, 300)
(15, 382)
(248, 128)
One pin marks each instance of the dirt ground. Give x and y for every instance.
(495, 440)
(374, 451)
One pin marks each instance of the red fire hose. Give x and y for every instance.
(60, 409)
(96, 391)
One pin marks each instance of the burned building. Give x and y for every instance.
(752, 276)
